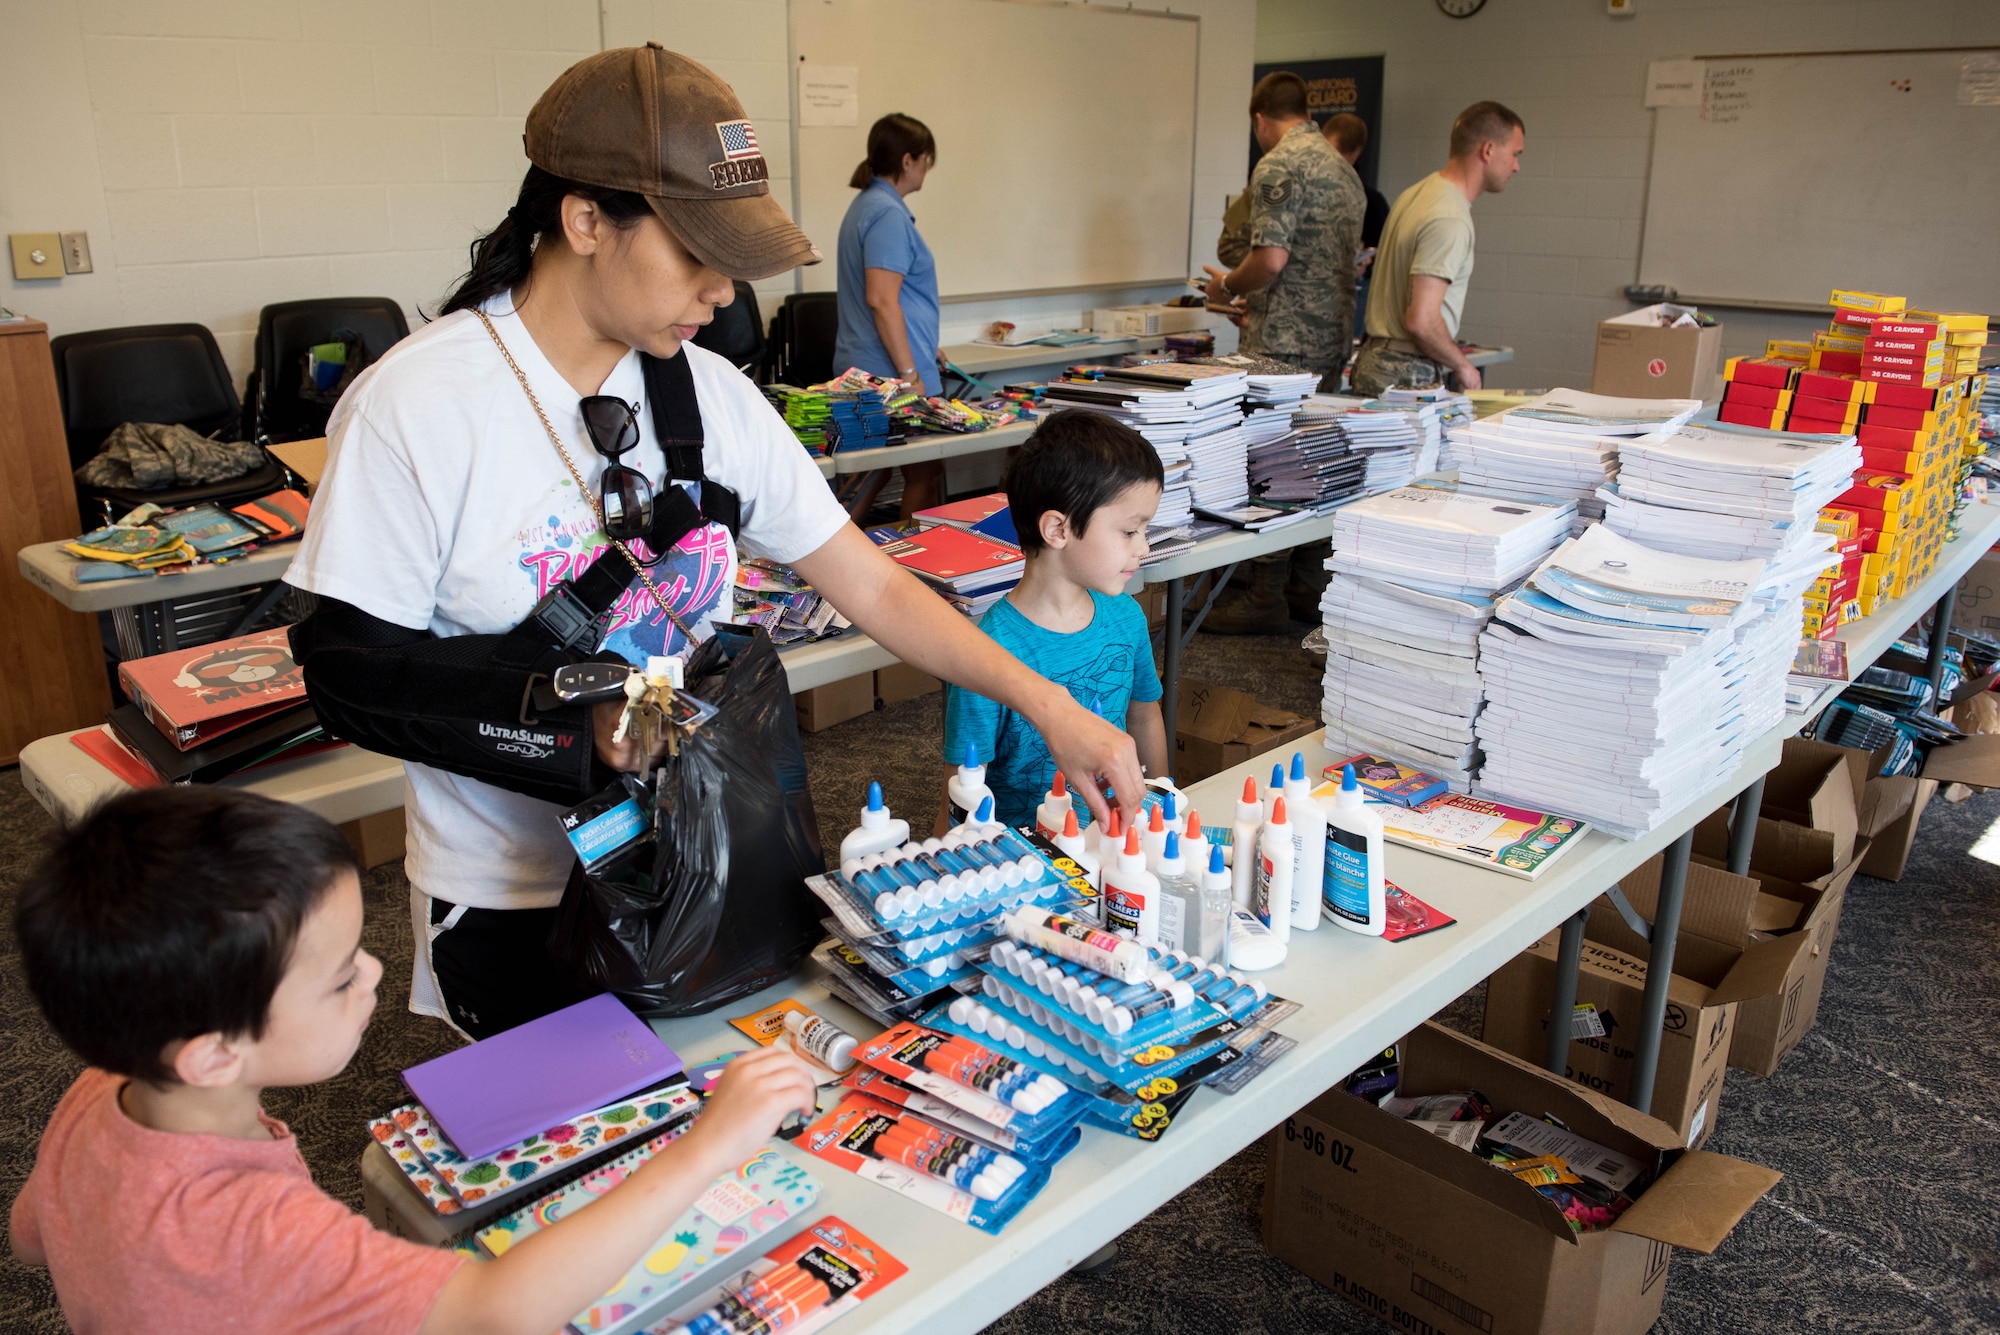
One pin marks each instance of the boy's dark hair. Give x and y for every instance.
(169, 913)
(1074, 464)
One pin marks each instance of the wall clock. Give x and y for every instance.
(1461, 9)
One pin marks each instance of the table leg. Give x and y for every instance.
(1659, 971)
(1743, 826)
(1170, 675)
(1569, 956)
(1940, 632)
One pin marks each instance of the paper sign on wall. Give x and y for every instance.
(1673, 83)
(829, 95)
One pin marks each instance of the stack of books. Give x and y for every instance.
(1170, 404)
(970, 571)
(1413, 578)
(772, 595)
(1616, 680)
(806, 412)
(1313, 464)
(1562, 445)
(198, 715)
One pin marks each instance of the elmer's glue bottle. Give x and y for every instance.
(1154, 839)
(1132, 894)
(1194, 845)
(1277, 786)
(1308, 846)
(1272, 900)
(1110, 836)
(877, 833)
(1049, 815)
(1243, 844)
(964, 789)
(1073, 844)
(1353, 890)
(1211, 937)
(1180, 897)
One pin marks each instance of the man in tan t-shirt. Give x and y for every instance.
(1424, 263)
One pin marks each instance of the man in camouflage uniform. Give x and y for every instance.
(1293, 280)
(1292, 242)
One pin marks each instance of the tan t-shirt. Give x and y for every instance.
(1429, 232)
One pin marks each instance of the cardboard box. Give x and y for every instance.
(377, 839)
(1216, 727)
(307, 458)
(1638, 358)
(836, 702)
(1430, 1238)
(899, 682)
(1694, 1043)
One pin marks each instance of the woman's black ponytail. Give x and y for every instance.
(501, 259)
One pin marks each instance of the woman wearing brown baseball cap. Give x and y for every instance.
(494, 457)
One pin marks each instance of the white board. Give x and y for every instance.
(1065, 137)
(1799, 174)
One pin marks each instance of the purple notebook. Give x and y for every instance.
(504, 1089)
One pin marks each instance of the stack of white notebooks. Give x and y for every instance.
(1620, 679)
(1170, 404)
(1220, 459)
(1413, 577)
(1402, 673)
(1447, 539)
(1564, 444)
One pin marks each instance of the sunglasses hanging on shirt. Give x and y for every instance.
(625, 497)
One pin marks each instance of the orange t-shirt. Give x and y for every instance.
(162, 1231)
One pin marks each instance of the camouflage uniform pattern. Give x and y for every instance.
(1233, 246)
(1378, 366)
(1304, 197)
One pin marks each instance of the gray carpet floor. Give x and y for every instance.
(1883, 1120)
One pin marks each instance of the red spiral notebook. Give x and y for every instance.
(195, 695)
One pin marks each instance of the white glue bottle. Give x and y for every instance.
(877, 833)
(1308, 846)
(1277, 786)
(1180, 897)
(1071, 841)
(1272, 901)
(822, 1039)
(1055, 804)
(1194, 846)
(964, 789)
(1132, 894)
(1243, 844)
(1109, 839)
(1211, 937)
(1154, 840)
(1353, 888)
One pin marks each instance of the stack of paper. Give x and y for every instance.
(1446, 539)
(1402, 674)
(1170, 404)
(1564, 444)
(1310, 466)
(1219, 472)
(1414, 574)
(1615, 680)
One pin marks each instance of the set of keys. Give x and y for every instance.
(656, 708)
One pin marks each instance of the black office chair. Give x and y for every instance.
(285, 330)
(804, 331)
(172, 373)
(737, 332)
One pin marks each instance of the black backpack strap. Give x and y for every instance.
(677, 424)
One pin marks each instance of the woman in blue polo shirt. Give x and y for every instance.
(888, 281)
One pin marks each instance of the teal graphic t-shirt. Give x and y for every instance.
(1107, 665)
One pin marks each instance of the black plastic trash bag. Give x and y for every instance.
(718, 907)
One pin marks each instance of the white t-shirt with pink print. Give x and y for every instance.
(445, 508)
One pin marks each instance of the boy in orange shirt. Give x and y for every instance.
(196, 945)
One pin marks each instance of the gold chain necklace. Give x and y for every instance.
(638, 566)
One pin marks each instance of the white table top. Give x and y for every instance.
(979, 358)
(1490, 356)
(1358, 995)
(52, 570)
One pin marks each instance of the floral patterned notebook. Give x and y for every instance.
(448, 1179)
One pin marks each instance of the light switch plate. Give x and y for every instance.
(76, 252)
(37, 254)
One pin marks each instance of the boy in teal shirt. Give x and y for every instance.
(1081, 492)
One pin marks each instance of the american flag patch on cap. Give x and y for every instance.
(738, 140)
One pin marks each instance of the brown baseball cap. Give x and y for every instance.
(647, 120)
